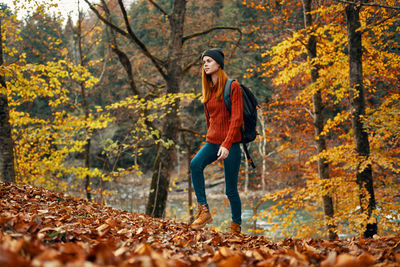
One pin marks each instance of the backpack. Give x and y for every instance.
(249, 132)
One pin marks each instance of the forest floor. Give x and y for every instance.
(39, 227)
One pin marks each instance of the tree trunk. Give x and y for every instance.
(357, 106)
(255, 215)
(161, 169)
(165, 155)
(85, 107)
(190, 188)
(262, 149)
(7, 172)
(318, 110)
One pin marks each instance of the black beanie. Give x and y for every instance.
(216, 54)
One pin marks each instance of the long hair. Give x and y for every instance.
(206, 81)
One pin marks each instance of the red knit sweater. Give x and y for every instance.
(222, 127)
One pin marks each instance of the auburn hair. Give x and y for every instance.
(206, 84)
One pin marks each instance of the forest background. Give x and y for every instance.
(110, 100)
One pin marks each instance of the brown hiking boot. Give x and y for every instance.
(234, 228)
(203, 217)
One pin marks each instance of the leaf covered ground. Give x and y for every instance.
(43, 228)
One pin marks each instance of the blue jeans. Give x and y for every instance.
(208, 154)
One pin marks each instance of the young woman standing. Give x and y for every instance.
(222, 140)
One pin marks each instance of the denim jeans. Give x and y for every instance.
(208, 154)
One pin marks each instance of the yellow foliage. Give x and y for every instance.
(43, 145)
(150, 110)
(289, 67)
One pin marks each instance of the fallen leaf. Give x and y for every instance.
(233, 261)
(366, 259)
(346, 260)
(143, 249)
(397, 257)
(120, 251)
(43, 211)
(225, 252)
(330, 260)
(103, 229)
(139, 230)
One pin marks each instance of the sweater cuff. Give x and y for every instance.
(227, 144)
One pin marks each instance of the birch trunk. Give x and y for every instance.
(262, 148)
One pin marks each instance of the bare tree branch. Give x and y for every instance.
(194, 35)
(190, 65)
(380, 22)
(157, 63)
(116, 28)
(123, 58)
(374, 5)
(130, 35)
(159, 8)
(301, 41)
(369, 4)
(153, 85)
(189, 131)
(101, 74)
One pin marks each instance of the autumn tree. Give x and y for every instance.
(43, 146)
(291, 73)
(43, 36)
(6, 142)
(318, 114)
(357, 110)
(81, 48)
(84, 103)
(44, 139)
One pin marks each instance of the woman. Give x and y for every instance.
(222, 140)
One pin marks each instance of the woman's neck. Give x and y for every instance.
(214, 78)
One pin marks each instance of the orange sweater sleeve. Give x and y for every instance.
(236, 118)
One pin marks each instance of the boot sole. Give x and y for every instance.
(199, 226)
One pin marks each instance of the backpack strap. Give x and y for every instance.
(227, 95)
(249, 159)
(228, 104)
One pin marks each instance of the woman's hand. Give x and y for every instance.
(223, 153)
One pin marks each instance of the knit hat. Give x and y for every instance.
(216, 54)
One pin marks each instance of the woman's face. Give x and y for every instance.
(210, 65)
